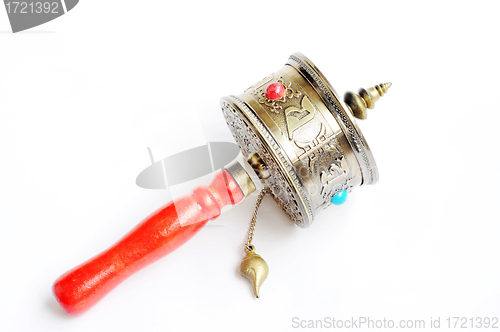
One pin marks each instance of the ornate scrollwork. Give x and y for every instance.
(283, 194)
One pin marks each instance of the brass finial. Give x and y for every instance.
(365, 99)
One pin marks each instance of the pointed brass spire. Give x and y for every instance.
(365, 99)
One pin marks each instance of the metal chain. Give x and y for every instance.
(263, 192)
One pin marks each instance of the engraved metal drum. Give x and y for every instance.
(308, 139)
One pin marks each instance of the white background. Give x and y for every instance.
(83, 96)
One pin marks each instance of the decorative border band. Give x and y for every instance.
(353, 135)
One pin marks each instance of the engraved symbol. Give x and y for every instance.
(296, 117)
(255, 88)
(315, 144)
(333, 172)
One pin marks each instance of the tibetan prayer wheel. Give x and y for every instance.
(297, 135)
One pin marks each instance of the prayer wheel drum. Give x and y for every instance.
(301, 138)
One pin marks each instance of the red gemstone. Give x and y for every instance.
(275, 91)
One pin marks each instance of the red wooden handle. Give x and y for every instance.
(159, 234)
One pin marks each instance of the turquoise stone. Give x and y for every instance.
(339, 198)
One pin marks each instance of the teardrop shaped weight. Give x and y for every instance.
(254, 268)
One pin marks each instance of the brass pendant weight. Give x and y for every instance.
(253, 267)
